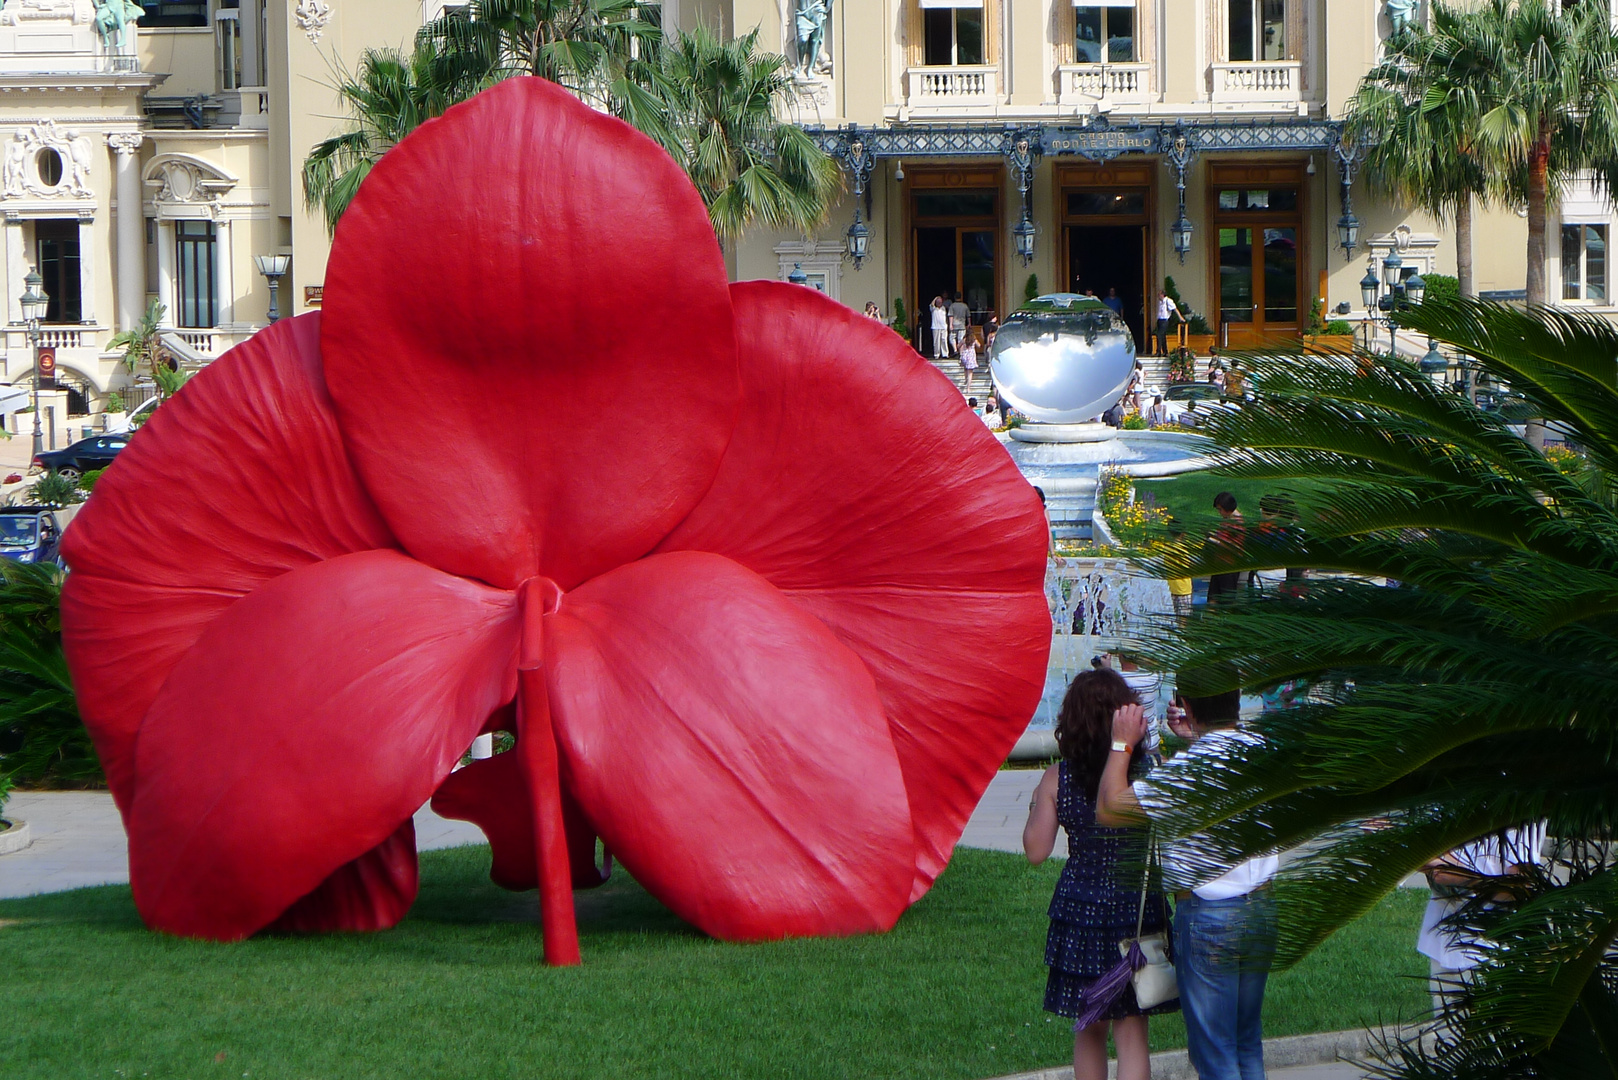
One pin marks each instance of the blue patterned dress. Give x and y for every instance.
(1093, 910)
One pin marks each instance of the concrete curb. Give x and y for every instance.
(1292, 1052)
(15, 838)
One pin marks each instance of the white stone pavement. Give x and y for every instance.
(79, 841)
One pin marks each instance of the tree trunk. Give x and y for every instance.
(1538, 191)
(1463, 246)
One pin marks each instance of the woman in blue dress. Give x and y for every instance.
(1098, 895)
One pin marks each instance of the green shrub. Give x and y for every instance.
(55, 491)
(1031, 290)
(1442, 287)
(1340, 326)
(42, 740)
(5, 793)
(87, 482)
(1317, 317)
(115, 402)
(1134, 422)
(900, 323)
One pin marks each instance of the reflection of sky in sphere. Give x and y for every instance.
(1062, 366)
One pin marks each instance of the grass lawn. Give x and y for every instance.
(1189, 496)
(458, 990)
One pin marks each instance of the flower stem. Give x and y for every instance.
(536, 740)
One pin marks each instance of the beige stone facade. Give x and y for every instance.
(159, 165)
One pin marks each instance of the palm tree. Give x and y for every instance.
(390, 94)
(711, 105)
(1548, 86)
(747, 164)
(1476, 695)
(44, 739)
(1417, 113)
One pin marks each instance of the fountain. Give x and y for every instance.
(1060, 360)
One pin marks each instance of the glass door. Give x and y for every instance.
(1260, 289)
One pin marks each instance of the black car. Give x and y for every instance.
(84, 455)
(29, 534)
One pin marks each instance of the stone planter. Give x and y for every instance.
(14, 836)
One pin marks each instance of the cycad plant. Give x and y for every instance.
(41, 737)
(1461, 636)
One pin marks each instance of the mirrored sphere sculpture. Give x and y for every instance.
(1062, 358)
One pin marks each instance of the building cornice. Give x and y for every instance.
(73, 83)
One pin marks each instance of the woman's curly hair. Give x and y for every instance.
(1084, 726)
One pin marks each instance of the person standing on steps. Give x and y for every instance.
(1167, 309)
(940, 329)
(959, 313)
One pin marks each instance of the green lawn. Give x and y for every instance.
(1189, 496)
(458, 990)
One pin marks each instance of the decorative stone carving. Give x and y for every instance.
(125, 143)
(44, 161)
(77, 12)
(187, 181)
(312, 16)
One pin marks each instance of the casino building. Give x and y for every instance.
(1105, 144)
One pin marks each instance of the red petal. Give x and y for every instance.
(239, 479)
(371, 893)
(303, 730)
(732, 753)
(493, 795)
(860, 485)
(528, 336)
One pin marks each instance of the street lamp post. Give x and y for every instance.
(273, 267)
(1386, 294)
(34, 304)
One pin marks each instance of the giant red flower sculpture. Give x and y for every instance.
(759, 597)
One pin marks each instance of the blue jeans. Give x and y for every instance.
(1222, 953)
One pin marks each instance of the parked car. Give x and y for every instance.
(137, 416)
(86, 454)
(30, 534)
(1178, 396)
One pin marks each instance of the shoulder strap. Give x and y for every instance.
(1145, 881)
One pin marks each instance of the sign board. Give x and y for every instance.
(46, 364)
(312, 295)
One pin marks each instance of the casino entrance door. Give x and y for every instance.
(1106, 214)
(955, 243)
(1258, 213)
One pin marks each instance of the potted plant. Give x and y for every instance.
(1199, 336)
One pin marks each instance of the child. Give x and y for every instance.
(1093, 909)
(969, 358)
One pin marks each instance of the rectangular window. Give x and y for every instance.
(952, 36)
(197, 297)
(1236, 275)
(1104, 33)
(970, 203)
(170, 13)
(57, 256)
(1259, 201)
(1105, 203)
(1584, 262)
(1257, 30)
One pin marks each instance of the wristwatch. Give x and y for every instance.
(1122, 746)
